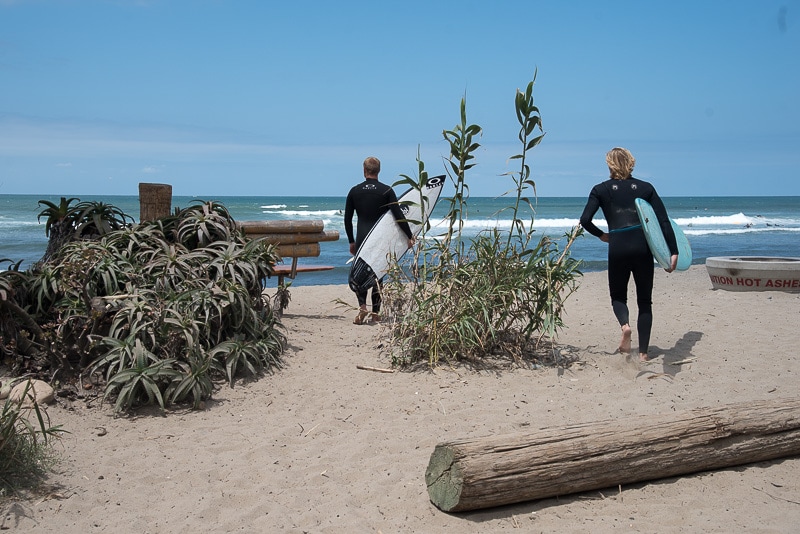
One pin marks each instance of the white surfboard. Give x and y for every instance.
(386, 241)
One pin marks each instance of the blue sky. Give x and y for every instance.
(254, 97)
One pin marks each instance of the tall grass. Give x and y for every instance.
(499, 294)
(26, 438)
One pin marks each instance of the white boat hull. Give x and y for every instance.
(754, 273)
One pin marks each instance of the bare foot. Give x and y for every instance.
(625, 342)
(361, 317)
(643, 357)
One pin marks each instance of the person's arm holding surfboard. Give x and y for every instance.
(394, 206)
(666, 229)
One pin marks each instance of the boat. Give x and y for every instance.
(754, 273)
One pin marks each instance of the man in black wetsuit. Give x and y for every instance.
(628, 252)
(369, 200)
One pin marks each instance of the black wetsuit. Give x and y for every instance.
(369, 200)
(628, 252)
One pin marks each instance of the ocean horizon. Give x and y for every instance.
(715, 226)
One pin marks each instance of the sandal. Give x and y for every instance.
(375, 317)
(360, 317)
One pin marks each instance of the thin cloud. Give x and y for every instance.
(25, 136)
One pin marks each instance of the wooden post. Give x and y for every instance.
(479, 473)
(155, 201)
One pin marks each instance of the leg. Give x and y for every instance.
(377, 299)
(618, 278)
(362, 307)
(643, 278)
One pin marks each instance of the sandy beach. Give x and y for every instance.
(322, 446)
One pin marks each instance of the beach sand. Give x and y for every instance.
(322, 446)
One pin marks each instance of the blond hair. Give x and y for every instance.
(372, 166)
(620, 163)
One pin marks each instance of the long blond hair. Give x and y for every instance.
(620, 163)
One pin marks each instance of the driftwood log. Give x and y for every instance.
(471, 474)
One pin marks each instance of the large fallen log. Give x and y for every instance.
(471, 474)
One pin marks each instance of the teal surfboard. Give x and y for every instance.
(656, 241)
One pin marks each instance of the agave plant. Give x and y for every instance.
(93, 218)
(143, 381)
(8, 277)
(158, 310)
(137, 239)
(170, 265)
(44, 289)
(239, 355)
(138, 312)
(203, 224)
(64, 212)
(180, 331)
(262, 255)
(194, 380)
(17, 328)
(225, 262)
(60, 224)
(198, 316)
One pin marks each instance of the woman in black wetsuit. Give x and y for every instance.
(628, 252)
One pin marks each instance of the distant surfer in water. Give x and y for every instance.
(628, 252)
(369, 200)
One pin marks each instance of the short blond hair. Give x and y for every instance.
(620, 163)
(372, 166)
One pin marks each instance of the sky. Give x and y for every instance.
(275, 98)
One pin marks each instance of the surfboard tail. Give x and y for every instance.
(361, 277)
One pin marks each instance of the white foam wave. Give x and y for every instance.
(476, 225)
(537, 223)
(12, 222)
(702, 223)
(737, 219)
(562, 223)
(273, 207)
(735, 231)
(306, 213)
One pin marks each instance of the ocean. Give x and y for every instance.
(715, 226)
